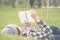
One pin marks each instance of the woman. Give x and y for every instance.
(55, 31)
(32, 32)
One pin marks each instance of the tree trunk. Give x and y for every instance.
(55, 3)
(16, 4)
(39, 3)
(31, 2)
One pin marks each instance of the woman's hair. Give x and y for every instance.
(10, 29)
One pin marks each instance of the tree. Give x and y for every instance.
(31, 2)
(12, 3)
(55, 3)
(0, 1)
(16, 4)
(39, 3)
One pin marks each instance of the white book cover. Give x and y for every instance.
(25, 16)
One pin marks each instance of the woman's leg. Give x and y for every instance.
(55, 30)
(56, 37)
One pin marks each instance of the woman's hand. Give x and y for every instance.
(34, 15)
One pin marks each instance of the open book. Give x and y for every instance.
(25, 16)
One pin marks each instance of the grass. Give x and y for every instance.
(14, 37)
(9, 15)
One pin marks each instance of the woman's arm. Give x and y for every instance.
(44, 26)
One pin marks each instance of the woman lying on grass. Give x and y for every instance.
(32, 32)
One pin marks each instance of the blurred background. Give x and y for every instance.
(47, 10)
(31, 3)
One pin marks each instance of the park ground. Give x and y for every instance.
(9, 15)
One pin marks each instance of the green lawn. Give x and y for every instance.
(9, 15)
(14, 37)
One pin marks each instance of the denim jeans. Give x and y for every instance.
(56, 32)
